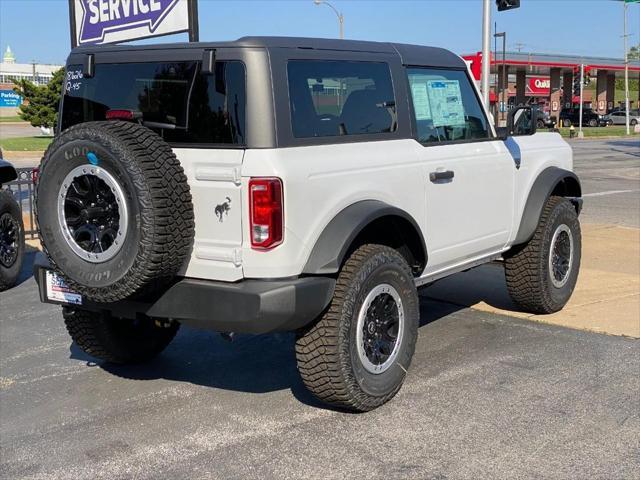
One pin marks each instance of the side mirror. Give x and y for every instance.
(522, 121)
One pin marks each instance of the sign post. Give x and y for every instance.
(96, 22)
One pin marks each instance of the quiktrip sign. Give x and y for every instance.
(110, 21)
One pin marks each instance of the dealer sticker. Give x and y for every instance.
(58, 291)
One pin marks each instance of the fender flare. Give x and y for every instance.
(540, 192)
(333, 244)
(7, 172)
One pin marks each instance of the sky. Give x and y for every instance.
(38, 30)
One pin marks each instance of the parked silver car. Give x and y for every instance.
(619, 118)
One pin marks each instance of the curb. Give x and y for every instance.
(20, 154)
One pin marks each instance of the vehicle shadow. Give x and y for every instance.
(26, 272)
(486, 284)
(251, 363)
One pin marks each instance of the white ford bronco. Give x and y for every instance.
(292, 184)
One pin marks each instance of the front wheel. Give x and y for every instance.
(566, 123)
(593, 122)
(634, 122)
(118, 340)
(357, 355)
(542, 274)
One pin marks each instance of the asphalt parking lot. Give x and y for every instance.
(487, 396)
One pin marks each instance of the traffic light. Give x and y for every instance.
(507, 4)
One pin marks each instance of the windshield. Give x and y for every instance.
(174, 99)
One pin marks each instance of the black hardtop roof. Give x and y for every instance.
(410, 54)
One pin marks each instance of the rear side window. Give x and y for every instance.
(332, 98)
(446, 107)
(174, 99)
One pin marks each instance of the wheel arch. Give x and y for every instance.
(367, 221)
(552, 181)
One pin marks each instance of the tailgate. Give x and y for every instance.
(214, 179)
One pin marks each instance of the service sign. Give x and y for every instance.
(110, 21)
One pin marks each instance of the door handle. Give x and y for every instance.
(439, 176)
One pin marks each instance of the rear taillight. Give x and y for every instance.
(35, 173)
(266, 215)
(122, 115)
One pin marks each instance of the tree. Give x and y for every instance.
(634, 53)
(40, 107)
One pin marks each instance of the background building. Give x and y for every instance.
(10, 69)
(552, 81)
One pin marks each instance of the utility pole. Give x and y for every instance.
(519, 46)
(486, 45)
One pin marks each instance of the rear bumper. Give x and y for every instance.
(249, 306)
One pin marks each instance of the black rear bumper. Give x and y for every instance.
(248, 306)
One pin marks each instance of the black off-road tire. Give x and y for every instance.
(118, 340)
(10, 210)
(527, 269)
(160, 229)
(326, 352)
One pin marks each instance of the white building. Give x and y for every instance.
(10, 70)
(37, 73)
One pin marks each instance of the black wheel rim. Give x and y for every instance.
(561, 256)
(9, 240)
(380, 328)
(92, 214)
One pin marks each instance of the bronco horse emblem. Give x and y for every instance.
(223, 208)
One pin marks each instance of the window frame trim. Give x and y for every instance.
(414, 127)
(280, 57)
(166, 59)
(393, 89)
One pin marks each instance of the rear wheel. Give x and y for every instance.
(11, 240)
(357, 355)
(118, 340)
(542, 274)
(634, 122)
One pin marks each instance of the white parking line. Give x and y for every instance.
(608, 192)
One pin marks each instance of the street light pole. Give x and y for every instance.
(626, 72)
(338, 14)
(486, 45)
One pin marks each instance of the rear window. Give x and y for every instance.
(174, 99)
(332, 98)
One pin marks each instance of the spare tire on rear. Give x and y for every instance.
(114, 210)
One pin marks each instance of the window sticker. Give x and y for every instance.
(445, 99)
(420, 99)
(74, 81)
